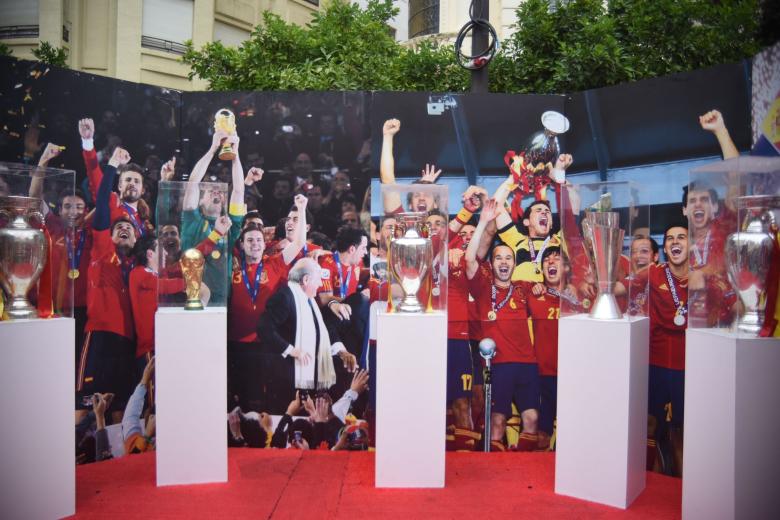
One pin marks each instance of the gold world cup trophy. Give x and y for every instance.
(225, 120)
(192, 262)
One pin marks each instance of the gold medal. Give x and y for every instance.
(492, 315)
(215, 254)
(586, 303)
(73, 274)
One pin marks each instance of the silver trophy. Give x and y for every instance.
(411, 257)
(603, 243)
(22, 253)
(748, 258)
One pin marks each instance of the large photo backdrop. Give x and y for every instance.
(299, 213)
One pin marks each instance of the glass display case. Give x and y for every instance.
(733, 210)
(600, 222)
(44, 245)
(194, 251)
(412, 255)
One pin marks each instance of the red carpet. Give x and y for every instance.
(314, 484)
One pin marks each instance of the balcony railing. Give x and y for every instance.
(18, 31)
(159, 44)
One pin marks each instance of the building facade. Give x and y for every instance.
(446, 17)
(137, 40)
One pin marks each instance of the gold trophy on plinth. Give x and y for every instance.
(225, 120)
(192, 262)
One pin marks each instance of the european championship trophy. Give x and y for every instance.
(410, 259)
(749, 257)
(603, 240)
(530, 167)
(192, 263)
(225, 120)
(23, 251)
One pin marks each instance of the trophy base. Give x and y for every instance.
(227, 154)
(193, 305)
(606, 308)
(20, 309)
(750, 324)
(411, 306)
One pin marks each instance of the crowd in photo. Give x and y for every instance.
(510, 273)
(281, 229)
(280, 215)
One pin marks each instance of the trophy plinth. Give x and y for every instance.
(192, 262)
(748, 257)
(411, 257)
(225, 120)
(22, 253)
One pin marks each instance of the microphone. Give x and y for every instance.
(487, 349)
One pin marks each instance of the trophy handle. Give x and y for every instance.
(37, 215)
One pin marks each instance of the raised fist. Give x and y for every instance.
(87, 128)
(119, 157)
(712, 121)
(253, 175)
(391, 127)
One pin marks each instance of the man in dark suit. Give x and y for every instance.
(294, 335)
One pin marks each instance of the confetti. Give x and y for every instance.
(18, 85)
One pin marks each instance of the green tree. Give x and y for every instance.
(344, 47)
(5, 50)
(556, 47)
(48, 53)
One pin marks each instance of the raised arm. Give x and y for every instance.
(387, 162)
(192, 192)
(292, 249)
(472, 200)
(713, 122)
(237, 175)
(36, 184)
(487, 215)
(102, 209)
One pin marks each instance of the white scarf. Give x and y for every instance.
(305, 338)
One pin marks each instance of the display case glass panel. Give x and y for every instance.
(412, 254)
(600, 222)
(195, 258)
(733, 211)
(44, 243)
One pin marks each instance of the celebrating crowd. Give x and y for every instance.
(296, 297)
(508, 279)
(287, 251)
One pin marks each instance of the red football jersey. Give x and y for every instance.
(143, 297)
(545, 311)
(457, 302)
(141, 223)
(335, 274)
(108, 298)
(667, 340)
(244, 314)
(510, 329)
(81, 240)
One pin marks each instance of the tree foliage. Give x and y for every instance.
(5, 50)
(344, 47)
(577, 45)
(48, 53)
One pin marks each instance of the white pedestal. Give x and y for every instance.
(602, 409)
(191, 390)
(37, 433)
(411, 400)
(731, 455)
